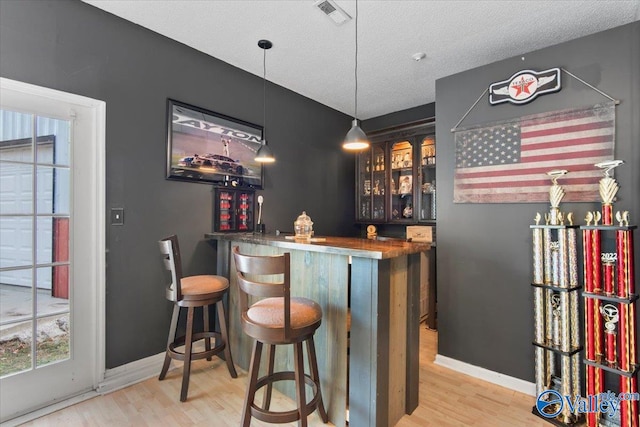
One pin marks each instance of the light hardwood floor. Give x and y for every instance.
(447, 399)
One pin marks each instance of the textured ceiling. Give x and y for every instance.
(315, 58)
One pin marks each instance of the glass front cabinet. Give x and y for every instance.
(233, 210)
(371, 184)
(396, 177)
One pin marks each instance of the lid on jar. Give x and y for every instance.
(304, 219)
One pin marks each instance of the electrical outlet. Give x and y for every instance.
(117, 216)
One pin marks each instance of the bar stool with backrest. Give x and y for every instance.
(274, 319)
(192, 292)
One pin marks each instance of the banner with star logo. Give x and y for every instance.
(524, 86)
(507, 162)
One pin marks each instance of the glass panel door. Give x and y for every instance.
(402, 181)
(378, 183)
(428, 179)
(51, 245)
(34, 236)
(245, 211)
(363, 186)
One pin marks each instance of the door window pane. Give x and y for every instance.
(16, 241)
(16, 296)
(53, 290)
(53, 339)
(16, 134)
(16, 188)
(15, 348)
(52, 190)
(53, 142)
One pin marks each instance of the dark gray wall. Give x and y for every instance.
(485, 309)
(71, 46)
(398, 118)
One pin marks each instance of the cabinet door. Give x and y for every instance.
(245, 203)
(427, 176)
(371, 184)
(225, 219)
(234, 210)
(402, 181)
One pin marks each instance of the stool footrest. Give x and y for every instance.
(284, 416)
(196, 355)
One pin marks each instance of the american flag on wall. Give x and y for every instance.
(507, 162)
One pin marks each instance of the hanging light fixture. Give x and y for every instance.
(264, 154)
(356, 139)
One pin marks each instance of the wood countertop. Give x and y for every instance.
(357, 247)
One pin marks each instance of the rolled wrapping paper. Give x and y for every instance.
(565, 322)
(628, 344)
(633, 349)
(541, 381)
(586, 258)
(598, 330)
(573, 258)
(556, 327)
(624, 359)
(565, 386)
(555, 266)
(587, 242)
(610, 354)
(634, 404)
(592, 418)
(576, 364)
(548, 272)
(607, 271)
(607, 214)
(538, 265)
(624, 246)
(563, 259)
(538, 323)
(596, 266)
(550, 369)
(630, 265)
(548, 310)
(625, 408)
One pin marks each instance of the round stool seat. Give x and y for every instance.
(269, 313)
(203, 284)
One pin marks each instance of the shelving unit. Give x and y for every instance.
(395, 188)
(556, 315)
(610, 316)
(371, 185)
(556, 308)
(396, 177)
(233, 210)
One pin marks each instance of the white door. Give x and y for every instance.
(51, 246)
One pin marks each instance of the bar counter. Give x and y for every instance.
(377, 283)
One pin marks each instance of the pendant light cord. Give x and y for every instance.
(356, 68)
(264, 95)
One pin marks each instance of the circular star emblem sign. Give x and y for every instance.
(523, 87)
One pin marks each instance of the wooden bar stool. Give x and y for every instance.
(277, 319)
(192, 292)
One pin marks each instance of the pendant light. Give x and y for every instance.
(264, 154)
(356, 139)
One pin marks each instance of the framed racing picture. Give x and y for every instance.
(207, 147)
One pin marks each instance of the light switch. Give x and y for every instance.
(117, 216)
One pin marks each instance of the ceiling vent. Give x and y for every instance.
(333, 11)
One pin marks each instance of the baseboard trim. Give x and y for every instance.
(131, 373)
(30, 416)
(497, 378)
(114, 379)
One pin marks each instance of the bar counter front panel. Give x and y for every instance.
(382, 365)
